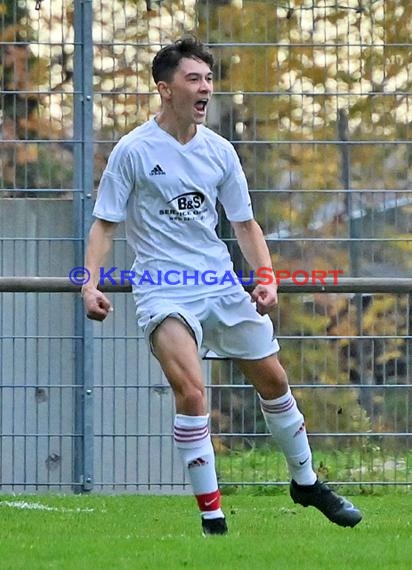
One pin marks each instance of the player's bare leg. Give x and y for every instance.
(286, 424)
(176, 350)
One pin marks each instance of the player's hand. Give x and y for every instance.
(96, 304)
(265, 297)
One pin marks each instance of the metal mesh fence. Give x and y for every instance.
(315, 96)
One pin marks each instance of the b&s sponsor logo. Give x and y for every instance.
(185, 207)
(188, 201)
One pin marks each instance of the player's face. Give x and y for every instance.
(190, 91)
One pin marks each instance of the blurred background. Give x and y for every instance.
(315, 95)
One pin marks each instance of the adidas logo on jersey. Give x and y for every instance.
(157, 170)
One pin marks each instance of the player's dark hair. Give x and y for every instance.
(168, 58)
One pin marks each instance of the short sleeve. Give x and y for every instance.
(115, 186)
(233, 192)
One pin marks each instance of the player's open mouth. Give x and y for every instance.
(201, 105)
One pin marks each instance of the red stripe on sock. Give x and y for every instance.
(209, 501)
(278, 408)
(185, 435)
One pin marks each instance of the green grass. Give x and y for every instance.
(259, 465)
(145, 532)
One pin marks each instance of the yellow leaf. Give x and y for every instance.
(26, 153)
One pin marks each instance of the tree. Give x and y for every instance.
(285, 73)
(28, 164)
(289, 72)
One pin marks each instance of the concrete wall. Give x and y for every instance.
(132, 404)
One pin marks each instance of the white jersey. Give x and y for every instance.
(166, 192)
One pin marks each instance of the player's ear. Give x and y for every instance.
(164, 89)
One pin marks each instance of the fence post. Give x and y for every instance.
(82, 203)
(354, 258)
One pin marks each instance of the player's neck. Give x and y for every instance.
(182, 133)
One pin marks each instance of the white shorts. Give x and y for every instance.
(228, 325)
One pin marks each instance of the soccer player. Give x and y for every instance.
(164, 179)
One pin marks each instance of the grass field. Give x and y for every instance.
(146, 532)
(354, 464)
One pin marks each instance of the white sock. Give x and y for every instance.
(286, 424)
(192, 438)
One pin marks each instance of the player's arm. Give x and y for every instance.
(99, 244)
(255, 250)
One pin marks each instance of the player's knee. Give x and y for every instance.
(274, 383)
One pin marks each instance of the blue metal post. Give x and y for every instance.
(83, 183)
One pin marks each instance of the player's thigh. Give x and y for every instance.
(174, 345)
